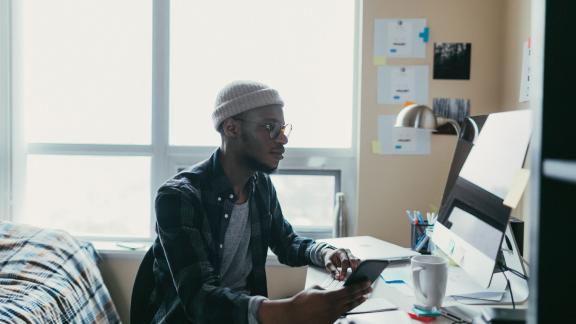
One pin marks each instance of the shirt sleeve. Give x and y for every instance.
(253, 307)
(316, 253)
(185, 253)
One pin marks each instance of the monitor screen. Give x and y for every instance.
(473, 218)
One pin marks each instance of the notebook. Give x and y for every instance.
(368, 247)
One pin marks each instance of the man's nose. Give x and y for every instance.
(282, 138)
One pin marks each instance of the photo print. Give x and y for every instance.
(453, 108)
(452, 61)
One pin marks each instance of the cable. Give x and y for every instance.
(525, 262)
(504, 268)
(509, 287)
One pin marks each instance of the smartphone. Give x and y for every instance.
(367, 270)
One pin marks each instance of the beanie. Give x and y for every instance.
(240, 96)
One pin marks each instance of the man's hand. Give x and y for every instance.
(314, 305)
(338, 261)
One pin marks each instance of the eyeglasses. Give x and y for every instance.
(274, 129)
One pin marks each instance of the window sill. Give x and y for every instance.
(110, 249)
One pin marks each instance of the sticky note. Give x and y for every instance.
(376, 147)
(425, 34)
(517, 187)
(379, 60)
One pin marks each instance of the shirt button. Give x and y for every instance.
(225, 215)
(221, 246)
(219, 198)
(231, 196)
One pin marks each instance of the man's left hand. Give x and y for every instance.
(338, 261)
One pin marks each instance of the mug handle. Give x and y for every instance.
(416, 277)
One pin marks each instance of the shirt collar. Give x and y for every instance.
(219, 181)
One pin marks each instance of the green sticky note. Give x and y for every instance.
(379, 60)
(376, 147)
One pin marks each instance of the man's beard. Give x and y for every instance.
(256, 165)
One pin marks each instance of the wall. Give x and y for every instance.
(388, 185)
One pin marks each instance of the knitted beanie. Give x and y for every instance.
(240, 96)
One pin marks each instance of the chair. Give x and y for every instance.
(140, 309)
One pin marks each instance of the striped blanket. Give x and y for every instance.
(47, 276)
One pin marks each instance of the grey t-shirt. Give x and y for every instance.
(236, 257)
(236, 262)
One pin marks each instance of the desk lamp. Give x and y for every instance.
(421, 116)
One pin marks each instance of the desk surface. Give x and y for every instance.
(400, 295)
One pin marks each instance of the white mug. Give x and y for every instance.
(429, 275)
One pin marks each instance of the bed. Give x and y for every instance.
(47, 276)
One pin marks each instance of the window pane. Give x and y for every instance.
(302, 48)
(89, 195)
(306, 200)
(83, 70)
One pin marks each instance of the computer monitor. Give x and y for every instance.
(473, 218)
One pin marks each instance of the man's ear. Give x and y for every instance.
(231, 128)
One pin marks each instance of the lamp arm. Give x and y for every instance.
(443, 121)
(475, 129)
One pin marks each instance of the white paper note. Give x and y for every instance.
(398, 84)
(525, 78)
(401, 141)
(400, 38)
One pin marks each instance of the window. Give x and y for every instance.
(101, 114)
(307, 198)
(302, 48)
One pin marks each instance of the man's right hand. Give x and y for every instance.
(314, 305)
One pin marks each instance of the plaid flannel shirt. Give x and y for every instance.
(192, 211)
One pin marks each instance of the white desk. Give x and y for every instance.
(400, 295)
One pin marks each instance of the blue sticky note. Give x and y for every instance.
(392, 281)
(425, 34)
(422, 312)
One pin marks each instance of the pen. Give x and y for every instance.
(421, 243)
(419, 215)
(410, 219)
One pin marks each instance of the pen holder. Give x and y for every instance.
(420, 235)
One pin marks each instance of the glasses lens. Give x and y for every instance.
(286, 129)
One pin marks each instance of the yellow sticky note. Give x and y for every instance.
(379, 60)
(517, 188)
(376, 147)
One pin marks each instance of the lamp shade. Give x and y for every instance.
(417, 116)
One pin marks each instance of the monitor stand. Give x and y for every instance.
(509, 255)
(518, 287)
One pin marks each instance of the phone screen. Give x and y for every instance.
(367, 270)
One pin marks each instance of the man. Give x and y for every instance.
(217, 219)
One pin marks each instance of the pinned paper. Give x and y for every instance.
(400, 38)
(525, 78)
(398, 84)
(399, 140)
(517, 188)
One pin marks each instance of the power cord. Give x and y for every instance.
(504, 268)
(509, 287)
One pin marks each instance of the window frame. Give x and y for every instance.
(165, 158)
(5, 109)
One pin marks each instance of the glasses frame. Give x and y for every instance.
(271, 127)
